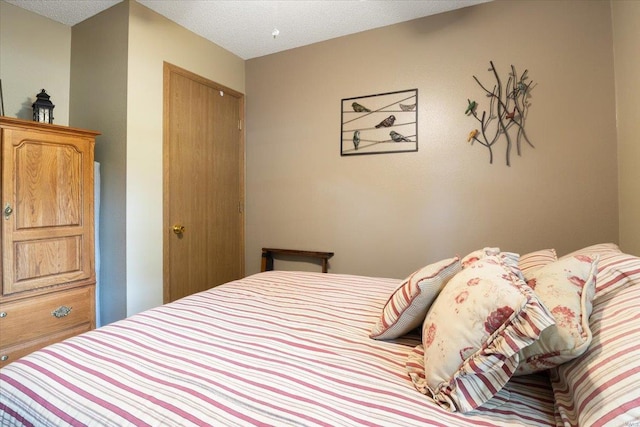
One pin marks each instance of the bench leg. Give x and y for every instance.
(267, 261)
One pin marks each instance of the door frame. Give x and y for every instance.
(168, 70)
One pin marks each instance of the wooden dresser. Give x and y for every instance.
(48, 268)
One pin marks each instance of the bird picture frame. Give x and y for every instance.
(380, 124)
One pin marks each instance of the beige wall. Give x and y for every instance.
(132, 148)
(626, 35)
(115, 61)
(154, 39)
(386, 215)
(29, 63)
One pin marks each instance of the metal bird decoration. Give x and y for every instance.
(356, 139)
(503, 116)
(360, 108)
(396, 137)
(387, 122)
(405, 107)
(471, 107)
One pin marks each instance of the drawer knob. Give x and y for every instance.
(4, 358)
(61, 311)
(3, 314)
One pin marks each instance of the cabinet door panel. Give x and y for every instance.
(55, 256)
(48, 182)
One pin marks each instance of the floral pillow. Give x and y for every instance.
(616, 269)
(472, 335)
(478, 255)
(407, 306)
(566, 288)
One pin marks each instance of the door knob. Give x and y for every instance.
(178, 229)
(8, 210)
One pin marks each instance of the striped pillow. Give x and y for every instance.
(407, 306)
(602, 386)
(533, 261)
(566, 288)
(472, 335)
(599, 249)
(616, 271)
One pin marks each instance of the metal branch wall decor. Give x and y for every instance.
(506, 112)
(382, 123)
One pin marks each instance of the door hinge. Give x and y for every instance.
(240, 207)
(239, 124)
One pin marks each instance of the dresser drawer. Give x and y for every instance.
(45, 315)
(13, 353)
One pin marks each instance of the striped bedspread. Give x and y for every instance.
(276, 348)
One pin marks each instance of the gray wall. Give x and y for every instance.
(99, 61)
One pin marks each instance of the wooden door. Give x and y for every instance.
(203, 184)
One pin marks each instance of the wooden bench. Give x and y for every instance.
(268, 253)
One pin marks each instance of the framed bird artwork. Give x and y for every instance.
(379, 124)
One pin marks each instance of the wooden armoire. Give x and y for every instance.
(48, 256)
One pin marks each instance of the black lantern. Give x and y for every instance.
(43, 108)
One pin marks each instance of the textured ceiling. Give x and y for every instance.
(246, 27)
(68, 12)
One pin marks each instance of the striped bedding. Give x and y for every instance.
(276, 348)
(603, 386)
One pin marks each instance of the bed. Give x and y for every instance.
(284, 348)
